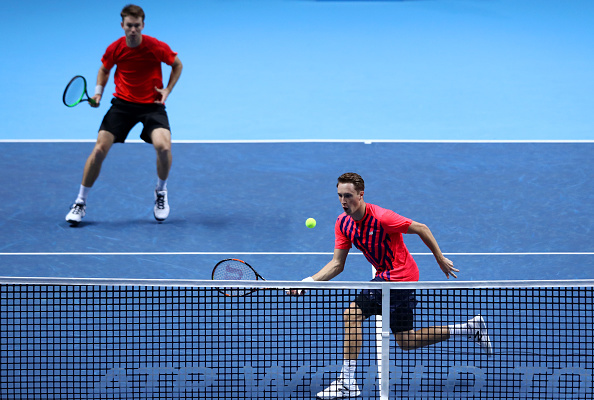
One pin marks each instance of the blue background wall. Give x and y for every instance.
(299, 69)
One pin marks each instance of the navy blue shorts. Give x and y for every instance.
(402, 304)
(123, 115)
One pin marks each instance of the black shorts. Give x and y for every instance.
(123, 115)
(402, 304)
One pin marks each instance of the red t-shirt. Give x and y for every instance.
(379, 237)
(138, 69)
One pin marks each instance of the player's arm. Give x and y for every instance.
(102, 78)
(427, 237)
(334, 267)
(329, 271)
(176, 70)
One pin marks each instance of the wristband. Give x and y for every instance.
(99, 90)
(308, 279)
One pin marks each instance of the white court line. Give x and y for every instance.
(365, 141)
(270, 253)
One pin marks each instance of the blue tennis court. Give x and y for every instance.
(509, 211)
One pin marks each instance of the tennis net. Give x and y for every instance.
(175, 339)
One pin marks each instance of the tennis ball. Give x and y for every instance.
(310, 223)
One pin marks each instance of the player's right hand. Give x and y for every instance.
(299, 292)
(97, 99)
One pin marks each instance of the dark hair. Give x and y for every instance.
(355, 179)
(132, 10)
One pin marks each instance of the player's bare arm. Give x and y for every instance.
(334, 267)
(176, 70)
(102, 78)
(446, 265)
(329, 271)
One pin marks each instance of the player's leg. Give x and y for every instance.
(410, 340)
(90, 174)
(95, 160)
(475, 329)
(346, 385)
(353, 319)
(161, 140)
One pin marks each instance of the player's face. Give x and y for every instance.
(351, 201)
(133, 27)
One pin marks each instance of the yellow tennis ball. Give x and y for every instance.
(310, 223)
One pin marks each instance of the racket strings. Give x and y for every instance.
(75, 91)
(235, 270)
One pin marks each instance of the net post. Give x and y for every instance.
(378, 347)
(385, 344)
(378, 339)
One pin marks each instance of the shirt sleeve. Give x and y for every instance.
(394, 223)
(108, 59)
(340, 240)
(166, 54)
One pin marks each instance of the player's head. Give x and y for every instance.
(132, 10)
(350, 188)
(133, 24)
(355, 179)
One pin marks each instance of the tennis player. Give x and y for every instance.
(377, 232)
(139, 97)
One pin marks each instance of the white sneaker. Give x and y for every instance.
(161, 210)
(337, 390)
(76, 213)
(478, 334)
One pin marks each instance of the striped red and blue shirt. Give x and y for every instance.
(379, 237)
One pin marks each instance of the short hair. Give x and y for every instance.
(355, 179)
(132, 10)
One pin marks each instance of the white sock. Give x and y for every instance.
(459, 329)
(347, 374)
(161, 185)
(83, 193)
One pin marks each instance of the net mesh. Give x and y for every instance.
(104, 341)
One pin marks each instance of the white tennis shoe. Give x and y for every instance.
(478, 334)
(337, 390)
(76, 213)
(161, 210)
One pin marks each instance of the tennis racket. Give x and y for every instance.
(233, 269)
(76, 91)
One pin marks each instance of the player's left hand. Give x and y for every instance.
(164, 94)
(447, 266)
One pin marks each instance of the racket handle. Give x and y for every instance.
(92, 101)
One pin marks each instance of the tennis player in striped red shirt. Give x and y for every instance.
(377, 233)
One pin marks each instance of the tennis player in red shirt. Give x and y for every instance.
(377, 233)
(139, 97)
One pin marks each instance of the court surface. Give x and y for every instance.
(500, 210)
(343, 72)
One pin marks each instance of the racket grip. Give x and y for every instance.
(92, 101)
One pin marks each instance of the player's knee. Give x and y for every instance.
(163, 150)
(161, 139)
(100, 152)
(405, 342)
